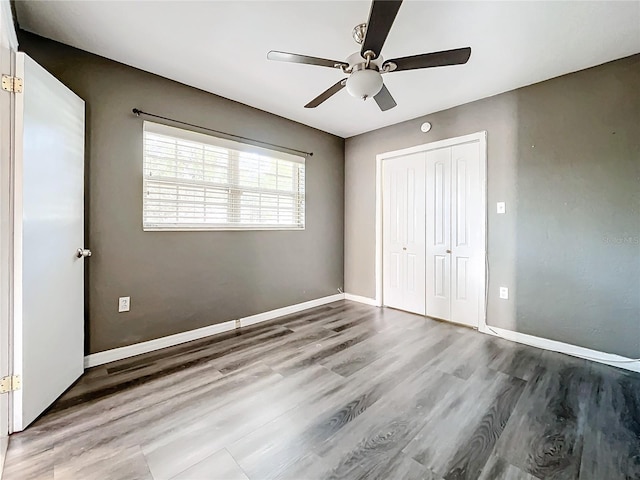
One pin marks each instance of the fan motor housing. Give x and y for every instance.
(356, 62)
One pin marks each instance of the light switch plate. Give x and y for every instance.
(124, 303)
(501, 207)
(504, 293)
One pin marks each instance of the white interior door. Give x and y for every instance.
(404, 233)
(48, 230)
(467, 243)
(438, 244)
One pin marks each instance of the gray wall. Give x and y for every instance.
(179, 281)
(565, 156)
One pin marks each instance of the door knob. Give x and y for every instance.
(404, 248)
(83, 253)
(448, 251)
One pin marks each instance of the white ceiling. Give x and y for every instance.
(221, 47)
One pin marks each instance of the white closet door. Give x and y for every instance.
(404, 233)
(466, 233)
(438, 238)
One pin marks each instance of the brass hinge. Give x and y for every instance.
(10, 383)
(11, 84)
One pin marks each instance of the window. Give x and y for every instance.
(194, 181)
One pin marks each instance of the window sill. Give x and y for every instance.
(221, 229)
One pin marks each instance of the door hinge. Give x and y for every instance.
(10, 383)
(11, 84)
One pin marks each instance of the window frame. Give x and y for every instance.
(235, 190)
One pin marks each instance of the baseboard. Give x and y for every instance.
(280, 312)
(112, 355)
(365, 300)
(566, 348)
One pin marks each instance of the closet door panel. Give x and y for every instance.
(393, 223)
(438, 233)
(466, 227)
(414, 252)
(404, 233)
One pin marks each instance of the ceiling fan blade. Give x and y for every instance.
(295, 58)
(381, 17)
(457, 56)
(384, 99)
(329, 92)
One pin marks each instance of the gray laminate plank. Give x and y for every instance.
(470, 355)
(375, 319)
(337, 348)
(315, 315)
(344, 310)
(473, 453)
(385, 344)
(122, 463)
(173, 363)
(219, 466)
(228, 341)
(612, 427)
(273, 448)
(511, 358)
(498, 469)
(281, 349)
(458, 434)
(309, 467)
(20, 465)
(379, 435)
(119, 430)
(322, 350)
(544, 436)
(29, 443)
(166, 395)
(381, 319)
(400, 467)
(190, 443)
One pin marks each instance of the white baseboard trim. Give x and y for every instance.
(114, 354)
(365, 300)
(280, 312)
(566, 348)
(107, 356)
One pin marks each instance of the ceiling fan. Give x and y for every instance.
(366, 66)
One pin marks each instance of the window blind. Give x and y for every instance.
(194, 181)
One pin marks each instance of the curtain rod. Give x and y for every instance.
(137, 112)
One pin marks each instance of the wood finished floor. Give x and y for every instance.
(343, 391)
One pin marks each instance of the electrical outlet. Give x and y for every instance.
(504, 293)
(124, 303)
(501, 207)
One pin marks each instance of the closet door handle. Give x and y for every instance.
(448, 251)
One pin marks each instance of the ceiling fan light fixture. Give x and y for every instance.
(364, 83)
(363, 67)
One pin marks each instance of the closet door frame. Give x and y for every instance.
(481, 138)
